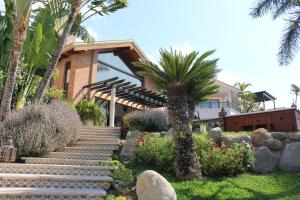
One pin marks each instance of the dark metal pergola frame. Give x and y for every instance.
(264, 96)
(127, 91)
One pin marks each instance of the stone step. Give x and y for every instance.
(51, 194)
(89, 150)
(61, 161)
(96, 145)
(98, 137)
(54, 181)
(93, 140)
(56, 169)
(99, 130)
(81, 156)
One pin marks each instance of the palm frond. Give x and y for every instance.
(263, 7)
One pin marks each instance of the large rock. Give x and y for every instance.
(259, 137)
(130, 144)
(294, 136)
(265, 160)
(274, 144)
(215, 134)
(231, 139)
(152, 186)
(290, 157)
(279, 135)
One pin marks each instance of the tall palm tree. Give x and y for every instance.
(290, 9)
(22, 10)
(101, 7)
(242, 86)
(173, 77)
(200, 88)
(295, 90)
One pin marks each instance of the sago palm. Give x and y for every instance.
(295, 90)
(173, 77)
(290, 9)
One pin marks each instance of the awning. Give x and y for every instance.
(127, 91)
(263, 96)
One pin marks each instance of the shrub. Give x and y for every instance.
(156, 151)
(151, 120)
(215, 161)
(89, 110)
(42, 128)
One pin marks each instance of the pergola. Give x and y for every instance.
(119, 90)
(264, 96)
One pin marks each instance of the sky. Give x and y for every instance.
(247, 47)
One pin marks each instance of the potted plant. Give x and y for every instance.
(90, 113)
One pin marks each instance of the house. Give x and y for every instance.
(103, 71)
(226, 98)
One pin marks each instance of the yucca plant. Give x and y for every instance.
(173, 77)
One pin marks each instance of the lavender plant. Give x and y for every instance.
(39, 129)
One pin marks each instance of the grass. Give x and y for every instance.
(243, 187)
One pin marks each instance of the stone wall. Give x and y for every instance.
(273, 151)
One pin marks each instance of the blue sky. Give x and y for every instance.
(246, 47)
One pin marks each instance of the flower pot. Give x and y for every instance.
(88, 122)
(202, 129)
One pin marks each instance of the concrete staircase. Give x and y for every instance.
(79, 172)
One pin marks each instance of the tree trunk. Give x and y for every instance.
(191, 110)
(186, 163)
(44, 83)
(19, 34)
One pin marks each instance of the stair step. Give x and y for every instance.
(51, 194)
(89, 150)
(93, 140)
(96, 145)
(101, 138)
(54, 181)
(83, 156)
(56, 169)
(61, 161)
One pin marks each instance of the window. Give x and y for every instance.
(209, 104)
(104, 72)
(67, 77)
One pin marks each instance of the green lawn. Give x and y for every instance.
(247, 186)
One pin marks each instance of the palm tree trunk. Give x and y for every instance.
(186, 163)
(44, 83)
(191, 110)
(19, 34)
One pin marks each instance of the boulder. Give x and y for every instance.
(259, 137)
(169, 132)
(279, 135)
(215, 134)
(152, 186)
(130, 144)
(274, 144)
(231, 139)
(290, 157)
(294, 136)
(265, 160)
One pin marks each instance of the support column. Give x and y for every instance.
(112, 107)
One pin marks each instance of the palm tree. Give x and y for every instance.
(22, 10)
(101, 7)
(172, 78)
(291, 10)
(295, 90)
(242, 86)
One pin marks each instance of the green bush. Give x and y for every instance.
(39, 129)
(157, 151)
(151, 120)
(89, 110)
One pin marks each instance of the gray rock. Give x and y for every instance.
(279, 135)
(130, 144)
(151, 185)
(231, 139)
(290, 157)
(294, 136)
(163, 133)
(265, 160)
(215, 134)
(169, 132)
(274, 144)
